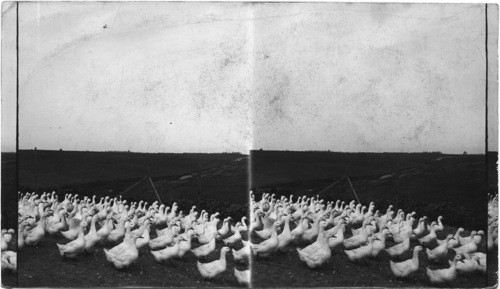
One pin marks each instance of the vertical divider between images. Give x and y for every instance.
(17, 125)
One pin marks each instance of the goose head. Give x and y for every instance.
(224, 250)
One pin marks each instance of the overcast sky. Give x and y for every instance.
(214, 77)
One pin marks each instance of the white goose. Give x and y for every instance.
(360, 253)
(468, 248)
(124, 254)
(268, 246)
(36, 235)
(75, 247)
(165, 239)
(206, 249)
(399, 249)
(357, 240)
(242, 255)
(92, 238)
(379, 242)
(167, 253)
(443, 276)
(185, 243)
(429, 238)
(405, 268)
(233, 239)
(243, 277)
(467, 266)
(9, 261)
(285, 238)
(440, 252)
(316, 254)
(212, 269)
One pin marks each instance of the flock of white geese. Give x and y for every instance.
(279, 223)
(122, 229)
(363, 232)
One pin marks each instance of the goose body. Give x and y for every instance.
(36, 235)
(56, 227)
(268, 246)
(440, 252)
(243, 277)
(212, 269)
(443, 276)
(168, 252)
(124, 254)
(467, 266)
(75, 247)
(316, 254)
(285, 238)
(104, 231)
(468, 248)
(162, 240)
(9, 261)
(357, 240)
(91, 238)
(399, 249)
(405, 268)
(73, 231)
(236, 237)
(361, 252)
(242, 255)
(6, 238)
(143, 239)
(185, 243)
(379, 243)
(206, 249)
(119, 232)
(429, 238)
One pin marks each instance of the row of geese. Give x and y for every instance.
(363, 233)
(125, 228)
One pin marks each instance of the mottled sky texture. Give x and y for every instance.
(214, 77)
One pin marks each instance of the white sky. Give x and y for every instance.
(212, 77)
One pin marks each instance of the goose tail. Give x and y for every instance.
(301, 254)
(61, 249)
(156, 255)
(429, 272)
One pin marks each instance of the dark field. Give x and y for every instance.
(9, 191)
(453, 185)
(176, 176)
